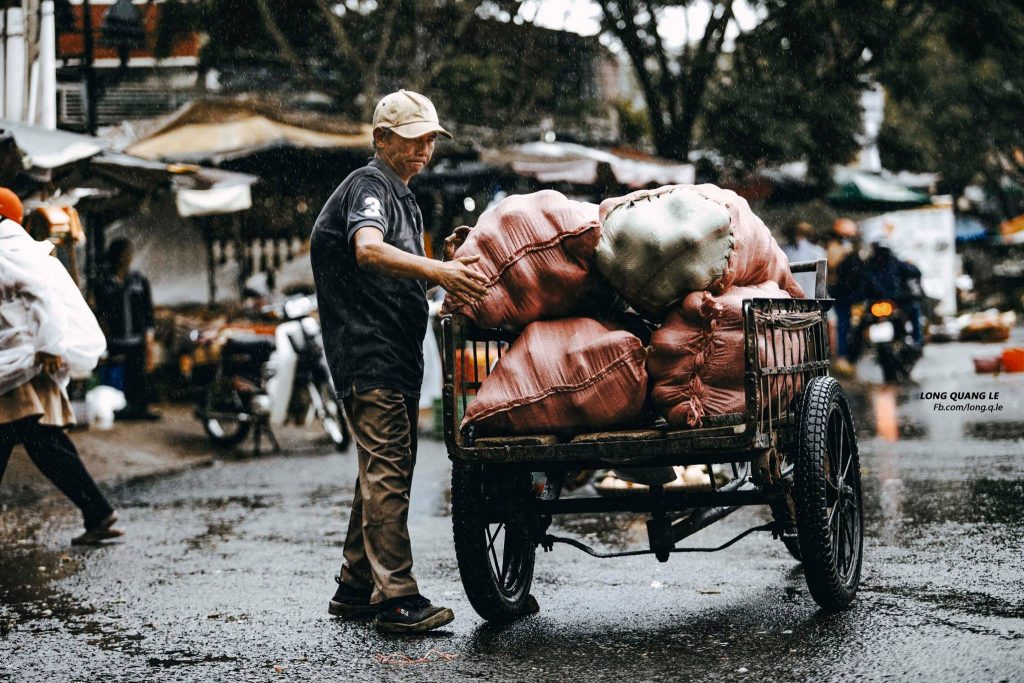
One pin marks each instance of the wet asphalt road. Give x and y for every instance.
(226, 573)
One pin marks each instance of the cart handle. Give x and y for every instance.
(820, 270)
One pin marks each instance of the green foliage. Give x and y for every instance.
(673, 82)
(793, 92)
(490, 72)
(634, 125)
(956, 95)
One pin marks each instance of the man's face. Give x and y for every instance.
(407, 156)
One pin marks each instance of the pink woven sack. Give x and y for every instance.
(696, 363)
(563, 375)
(658, 245)
(536, 252)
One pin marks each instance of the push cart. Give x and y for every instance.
(793, 449)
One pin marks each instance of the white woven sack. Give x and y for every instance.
(657, 248)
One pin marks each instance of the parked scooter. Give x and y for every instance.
(264, 380)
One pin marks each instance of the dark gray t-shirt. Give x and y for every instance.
(373, 325)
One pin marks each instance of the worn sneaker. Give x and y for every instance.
(351, 603)
(411, 614)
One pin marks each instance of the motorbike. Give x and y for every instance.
(263, 380)
(888, 328)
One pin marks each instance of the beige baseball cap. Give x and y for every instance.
(407, 113)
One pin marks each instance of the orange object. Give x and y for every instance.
(464, 370)
(881, 309)
(10, 205)
(1013, 360)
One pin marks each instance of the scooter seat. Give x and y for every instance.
(254, 348)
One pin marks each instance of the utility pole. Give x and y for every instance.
(89, 72)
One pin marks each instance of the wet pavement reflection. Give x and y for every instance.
(226, 573)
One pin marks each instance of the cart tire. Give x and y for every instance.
(827, 492)
(499, 591)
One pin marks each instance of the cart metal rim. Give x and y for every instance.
(843, 503)
(505, 552)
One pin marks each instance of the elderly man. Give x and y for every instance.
(371, 278)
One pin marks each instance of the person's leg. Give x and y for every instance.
(135, 381)
(356, 572)
(57, 458)
(8, 439)
(842, 309)
(382, 428)
(913, 310)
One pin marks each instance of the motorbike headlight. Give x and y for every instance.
(881, 309)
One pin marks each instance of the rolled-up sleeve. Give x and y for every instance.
(368, 207)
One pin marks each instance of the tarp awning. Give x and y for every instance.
(47, 149)
(198, 191)
(860, 188)
(215, 130)
(211, 140)
(554, 162)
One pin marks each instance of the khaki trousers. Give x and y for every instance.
(377, 548)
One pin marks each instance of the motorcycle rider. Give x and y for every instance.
(885, 276)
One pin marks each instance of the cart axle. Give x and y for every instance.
(548, 542)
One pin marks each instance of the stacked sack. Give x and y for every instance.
(696, 252)
(564, 372)
(536, 251)
(685, 255)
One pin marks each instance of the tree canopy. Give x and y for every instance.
(356, 51)
(787, 89)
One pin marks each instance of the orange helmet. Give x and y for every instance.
(845, 227)
(10, 205)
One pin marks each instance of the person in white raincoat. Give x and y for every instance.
(47, 334)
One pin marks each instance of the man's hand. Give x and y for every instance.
(454, 241)
(462, 283)
(51, 364)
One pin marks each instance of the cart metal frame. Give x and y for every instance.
(786, 348)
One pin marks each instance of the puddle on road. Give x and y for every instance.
(185, 658)
(29, 599)
(217, 531)
(994, 431)
(920, 503)
(254, 502)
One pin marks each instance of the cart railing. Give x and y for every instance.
(786, 344)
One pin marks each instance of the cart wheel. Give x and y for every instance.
(827, 492)
(494, 545)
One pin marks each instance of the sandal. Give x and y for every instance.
(101, 532)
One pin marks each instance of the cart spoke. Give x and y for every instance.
(505, 564)
(844, 450)
(490, 548)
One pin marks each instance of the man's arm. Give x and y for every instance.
(460, 281)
